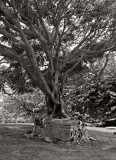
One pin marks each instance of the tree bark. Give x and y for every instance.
(54, 109)
(55, 104)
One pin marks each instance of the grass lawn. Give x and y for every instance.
(15, 146)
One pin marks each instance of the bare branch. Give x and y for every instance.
(90, 52)
(40, 37)
(32, 58)
(1, 59)
(83, 40)
(75, 65)
(42, 22)
(7, 12)
(76, 52)
(105, 64)
(8, 35)
(8, 52)
(8, 24)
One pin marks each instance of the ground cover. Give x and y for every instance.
(15, 146)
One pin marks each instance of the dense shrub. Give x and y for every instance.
(12, 110)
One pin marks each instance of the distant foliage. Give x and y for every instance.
(98, 101)
(12, 107)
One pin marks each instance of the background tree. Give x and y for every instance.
(51, 42)
(97, 97)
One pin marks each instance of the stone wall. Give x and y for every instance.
(58, 128)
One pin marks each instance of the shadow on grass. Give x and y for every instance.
(15, 146)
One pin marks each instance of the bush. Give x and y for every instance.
(12, 107)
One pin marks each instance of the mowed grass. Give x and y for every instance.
(15, 146)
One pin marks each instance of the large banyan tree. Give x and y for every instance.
(50, 41)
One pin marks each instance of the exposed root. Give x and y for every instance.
(31, 135)
(91, 138)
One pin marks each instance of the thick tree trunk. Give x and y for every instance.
(55, 109)
(54, 102)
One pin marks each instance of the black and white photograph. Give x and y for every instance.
(57, 79)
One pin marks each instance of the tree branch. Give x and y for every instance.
(42, 22)
(8, 35)
(32, 58)
(105, 64)
(38, 34)
(7, 12)
(83, 40)
(1, 59)
(75, 65)
(75, 53)
(8, 52)
(38, 77)
(8, 24)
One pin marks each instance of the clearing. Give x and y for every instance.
(15, 146)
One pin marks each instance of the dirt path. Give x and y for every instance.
(107, 130)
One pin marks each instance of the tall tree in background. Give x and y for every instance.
(50, 41)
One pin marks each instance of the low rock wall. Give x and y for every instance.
(58, 128)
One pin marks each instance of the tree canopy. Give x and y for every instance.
(51, 41)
